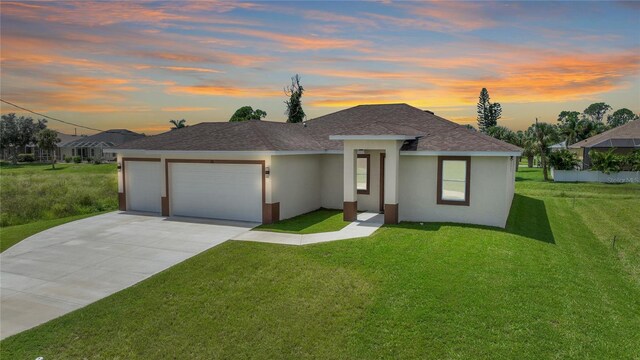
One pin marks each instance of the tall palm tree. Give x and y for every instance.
(178, 124)
(545, 136)
(571, 130)
(526, 140)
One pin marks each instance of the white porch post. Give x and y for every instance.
(350, 205)
(391, 171)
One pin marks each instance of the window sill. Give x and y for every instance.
(453, 202)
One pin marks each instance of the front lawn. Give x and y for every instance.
(35, 192)
(318, 221)
(550, 285)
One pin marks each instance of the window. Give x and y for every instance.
(362, 173)
(453, 180)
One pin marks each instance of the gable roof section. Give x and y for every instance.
(432, 132)
(436, 133)
(629, 131)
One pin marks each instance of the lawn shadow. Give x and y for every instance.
(528, 218)
(302, 222)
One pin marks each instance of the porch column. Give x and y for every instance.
(350, 206)
(391, 170)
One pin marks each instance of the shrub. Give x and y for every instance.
(563, 160)
(606, 161)
(631, 162)
(26, 158)
(77, 159)
(97, 160)
(68, 159)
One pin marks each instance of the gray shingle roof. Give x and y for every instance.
(434, 133)
(106, 139)
(630, 130)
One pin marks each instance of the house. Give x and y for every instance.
(397, 159)
(624, 139)
(45, 156)
(93, 146)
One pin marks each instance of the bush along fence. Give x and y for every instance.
(606, 167)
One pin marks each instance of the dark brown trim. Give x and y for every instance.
(390, 213)
(271, 213)
(467, 190)
(214, 161)
(382, 156)
(122, 204)
(165, 205)
(350, 211)
(368, 189)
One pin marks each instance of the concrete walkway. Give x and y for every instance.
(69, 266)
(366, 225)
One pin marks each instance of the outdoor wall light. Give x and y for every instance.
(267, 171)
(119, 167)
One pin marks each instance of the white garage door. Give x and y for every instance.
(144, 185)
(219, 191)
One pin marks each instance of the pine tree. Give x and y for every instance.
(294, 112)
(488, 113)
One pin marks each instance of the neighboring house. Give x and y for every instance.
(624, 139)
(45, 156)
(395, 158)
(93, 146)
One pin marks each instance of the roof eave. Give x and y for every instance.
(373, 137)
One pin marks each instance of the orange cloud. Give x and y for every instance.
(223, 90)
(187, 108)
(179, 68)
(295, 42)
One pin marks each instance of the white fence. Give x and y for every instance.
(595, 176)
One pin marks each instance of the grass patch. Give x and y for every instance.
(35, 192)
(547, 286)
(318, 221)
(12, 235)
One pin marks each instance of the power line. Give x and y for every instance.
(49, 117)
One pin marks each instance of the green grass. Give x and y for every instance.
(548, 286)
(36, 192)
(318, 221)
(12, 235)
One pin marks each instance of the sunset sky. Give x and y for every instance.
(137, 65)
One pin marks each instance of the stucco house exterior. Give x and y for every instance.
(93, 146)
(397, 159)
(624, 139)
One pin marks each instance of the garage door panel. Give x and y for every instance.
(222, 191)
(143, 186)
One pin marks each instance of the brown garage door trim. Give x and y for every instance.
(122, 196)
(269, 211)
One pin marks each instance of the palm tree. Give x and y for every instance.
(545, 136)
(571, 130)
(590, 128)
(178, 124)
(526, 140)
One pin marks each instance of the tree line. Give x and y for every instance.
(16, 132)
(571, 127)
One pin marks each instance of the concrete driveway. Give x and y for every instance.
(72, 265)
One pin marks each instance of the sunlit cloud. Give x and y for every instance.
(186, 108)
(297, 42)
(150, 60)
(224, 90)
